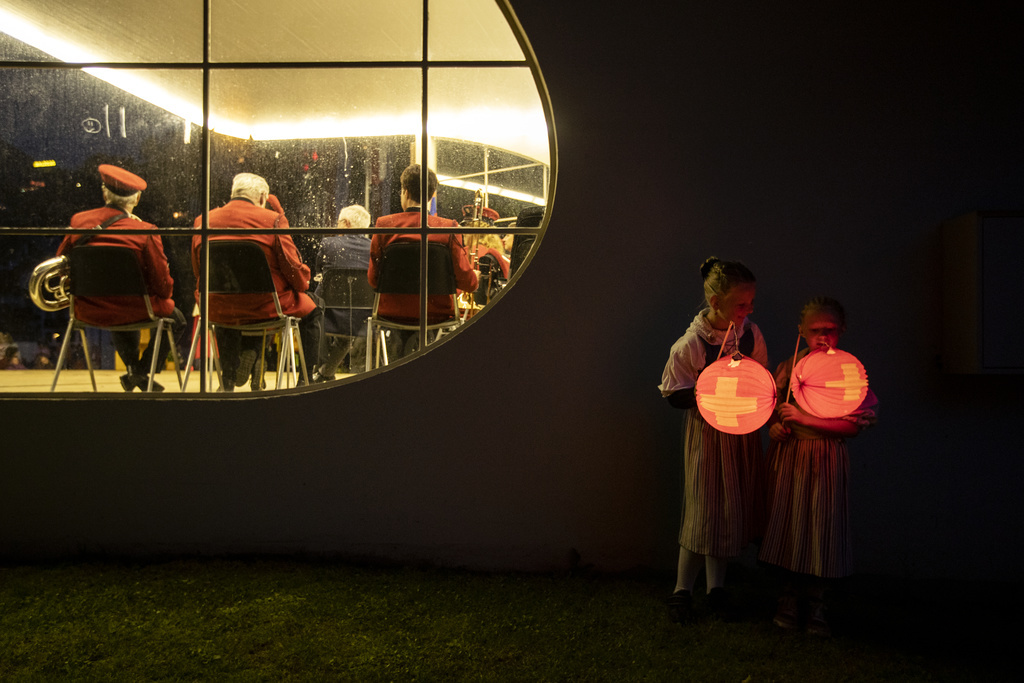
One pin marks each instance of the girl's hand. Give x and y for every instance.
(779, 432)
(790, 413)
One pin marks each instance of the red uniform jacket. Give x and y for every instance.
(149, 250)
(406, 307)
(291, 275)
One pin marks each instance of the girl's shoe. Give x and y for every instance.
(680, 607)
(816, 623)
(787, 615)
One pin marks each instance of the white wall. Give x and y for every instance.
(821, 146)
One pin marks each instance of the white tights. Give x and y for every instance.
(690, 564)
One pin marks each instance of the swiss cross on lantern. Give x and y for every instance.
(736, 394)
(829, 383)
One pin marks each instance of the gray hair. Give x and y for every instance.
(125, 202)
(250, 186)
(357, 216)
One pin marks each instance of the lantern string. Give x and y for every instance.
(725, 339)
(792, 369)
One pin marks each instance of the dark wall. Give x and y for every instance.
(821, 145)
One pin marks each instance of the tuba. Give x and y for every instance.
(48, 284)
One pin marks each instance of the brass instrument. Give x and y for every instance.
(48, 285)
(477, 221)
(467, 300)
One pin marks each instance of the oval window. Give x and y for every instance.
(260, 173)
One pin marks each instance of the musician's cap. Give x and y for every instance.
(120, 181)
(488, 212)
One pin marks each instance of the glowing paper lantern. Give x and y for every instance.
(736, 394)
(829, 383)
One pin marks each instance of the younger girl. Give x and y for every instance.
(723, 492)
(808, 532)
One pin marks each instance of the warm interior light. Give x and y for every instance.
(520, 128)
(18, 28)
(451, 181)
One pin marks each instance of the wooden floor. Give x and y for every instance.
(77, 381)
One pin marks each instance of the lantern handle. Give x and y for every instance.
(725, 339)
(792, 369)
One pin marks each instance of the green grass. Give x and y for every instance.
(275, 620)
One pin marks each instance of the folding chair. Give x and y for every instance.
(109, 271)
(239, 267)
(348, 289)
(400, 274)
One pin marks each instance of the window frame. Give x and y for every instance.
(207, 67)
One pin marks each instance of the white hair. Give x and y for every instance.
(125, 202)
(357, 216)
(250, 186)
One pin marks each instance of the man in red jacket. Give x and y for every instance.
(406, 307)
(121, 192)
(250, 194)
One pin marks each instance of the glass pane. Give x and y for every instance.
(32, 336)
(470, 30)
(496, 142)
(321, 149)
(499, 107)
(303, 31)
(56, 126)
(102, 31)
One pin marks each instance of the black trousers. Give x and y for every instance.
(231, 343)
(127, 346)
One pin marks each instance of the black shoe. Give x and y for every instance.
(133, 381)
(246, 360)
(226, 385)
(680, 607)
(143, 382)
(259, 381)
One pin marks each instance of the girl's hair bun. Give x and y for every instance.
(706, 267)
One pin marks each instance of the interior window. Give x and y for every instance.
(328, 102)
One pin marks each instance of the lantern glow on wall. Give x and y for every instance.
(736, 394)
(829, 383)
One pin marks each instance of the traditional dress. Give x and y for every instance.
(809, 525)
(724, 504)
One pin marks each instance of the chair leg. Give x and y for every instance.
(63, 354)
(369, 343)
(281, 352)
(88, 358)
(302, 354)
(174, 355)
(213, 353)
(196, 333)
(155, 341)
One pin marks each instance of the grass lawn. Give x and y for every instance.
(280, 620)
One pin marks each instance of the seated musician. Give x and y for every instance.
(406, 307)
(121, 193)
(344, 330)
(240, 356)
(493, 266)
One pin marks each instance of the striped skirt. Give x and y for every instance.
(724, 495)
(809, 525)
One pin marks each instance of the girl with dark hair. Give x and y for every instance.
(723, 490)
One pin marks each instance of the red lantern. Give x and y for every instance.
(829, 383)
(736, 394)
